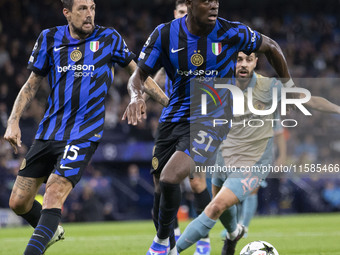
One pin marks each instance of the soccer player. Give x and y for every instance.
(199, 45)
(198, 184)
(77, 58)
(244, 146)
(247, 209)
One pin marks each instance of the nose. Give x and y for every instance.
(89, 13)
(215, 4)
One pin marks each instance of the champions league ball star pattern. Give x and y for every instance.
(259, 248)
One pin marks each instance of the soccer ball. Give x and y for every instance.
(259, 248)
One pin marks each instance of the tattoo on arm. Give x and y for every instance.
(25, 96)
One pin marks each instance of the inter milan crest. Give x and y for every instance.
(155, 163)
(258, 105)
(216, 48)
(197, 59)
(23, 164)
(94, 46)
(76, 55)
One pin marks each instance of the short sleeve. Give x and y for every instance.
(120, 52)
(149, 58)
(39, 59)
(250, 40)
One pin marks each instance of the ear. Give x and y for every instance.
(66, 13)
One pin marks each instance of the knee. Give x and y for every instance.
(56, 193)
(20, 206)
(198, 185)
(217, 209)
(53, 198)
(173, 178)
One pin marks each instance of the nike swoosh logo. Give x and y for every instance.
(188, 241)
(38, 235)
(65, 167)
(174, 51)
(58, 49)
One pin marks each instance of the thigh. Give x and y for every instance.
(57, 190)
(177, 168)
(223, 200)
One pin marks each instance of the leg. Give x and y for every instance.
(57, 190)
(215, 189)
(174, 172)
(22, 199)
(156, 200)
(202, 197)
(201, 226)
(201, 200)
(155, 208)
(249, 207)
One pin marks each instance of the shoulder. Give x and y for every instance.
(263, 82)
(166, 26)
(50, 31)
(227, 24)
(106, 31)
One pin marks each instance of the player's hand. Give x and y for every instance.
(135, 111)
(13, 135)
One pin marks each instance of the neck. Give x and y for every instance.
(196, 28)
(242, 84)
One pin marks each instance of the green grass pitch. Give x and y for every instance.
(308, 234)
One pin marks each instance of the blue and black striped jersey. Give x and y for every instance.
(79, 74)
(186, 56)
(167, 86)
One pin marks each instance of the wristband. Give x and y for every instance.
(289, 84)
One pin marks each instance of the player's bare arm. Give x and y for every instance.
(150, 86)
(136, 108)
(154, 91)
(159, 78)
(323, 105)
(275, 57)
(23, 100)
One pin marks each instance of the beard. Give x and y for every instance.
(80, 32)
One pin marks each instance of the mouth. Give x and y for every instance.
(88, 24)
(212, 17)
(243, 73)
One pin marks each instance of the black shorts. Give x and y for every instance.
(170, 137)
(64, 158)
(198, 141)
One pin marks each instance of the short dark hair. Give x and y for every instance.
(68, 4)
(178, 2)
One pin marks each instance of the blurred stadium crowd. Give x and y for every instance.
(117, 184)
